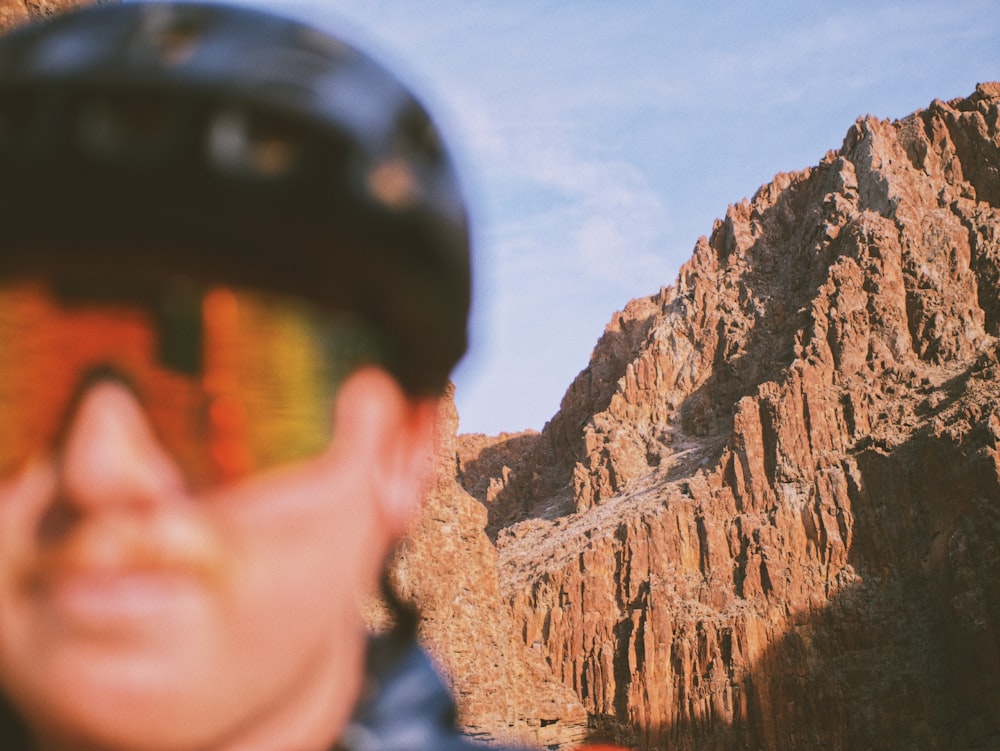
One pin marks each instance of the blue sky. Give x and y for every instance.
(599, 139)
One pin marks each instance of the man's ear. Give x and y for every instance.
(376, 423)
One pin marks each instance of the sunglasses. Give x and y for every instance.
(233, 380)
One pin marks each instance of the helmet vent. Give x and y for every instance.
(245, 144)
(172, 33)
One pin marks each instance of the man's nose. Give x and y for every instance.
(111, 455)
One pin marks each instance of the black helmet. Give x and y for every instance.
(237, 145)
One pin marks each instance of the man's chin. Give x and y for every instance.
(117, 698)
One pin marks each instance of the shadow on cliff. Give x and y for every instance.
(483, 476)
(904, 657)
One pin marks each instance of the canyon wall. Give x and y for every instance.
(767, 514)
(448, 568)
(16, 12)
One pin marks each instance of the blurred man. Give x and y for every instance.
(233, 281)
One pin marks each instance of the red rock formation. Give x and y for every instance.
(767, 514)
(16, 12)
(448, 567)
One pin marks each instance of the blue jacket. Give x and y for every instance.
(404, 706)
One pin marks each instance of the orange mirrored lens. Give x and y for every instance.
(233, 381)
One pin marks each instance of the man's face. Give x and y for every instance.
(138, 615)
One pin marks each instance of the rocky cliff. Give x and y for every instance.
(767, 514)
(448, 568)
(16, 12)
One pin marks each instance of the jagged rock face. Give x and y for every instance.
(448, 568)
(14, 13)
(767, 514)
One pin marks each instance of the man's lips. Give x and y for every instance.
(97, 598)
(119, 570)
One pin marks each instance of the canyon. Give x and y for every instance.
(767, 513)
